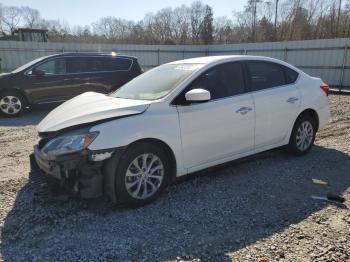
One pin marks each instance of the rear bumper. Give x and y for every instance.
(75, 172)
(324, 116)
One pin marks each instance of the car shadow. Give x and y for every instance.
(31, 116)
(215, 212)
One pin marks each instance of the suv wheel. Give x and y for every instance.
(303, 135)
(11, 104)
(142, 174)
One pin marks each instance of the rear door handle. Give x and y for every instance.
(70, 79)
(243, 110)
(292, 100)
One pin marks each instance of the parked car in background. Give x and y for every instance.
(59, 77)
(179, 118)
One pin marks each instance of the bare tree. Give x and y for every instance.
(208, 27)
(338, 16)
(265, 30)
(105, 26)
(1, 18)
(224, 30)
(242, 21)
(31, 17)
(181, 24)
(276, 13)
(261, 20)
(113, 29)
(11, 17)
(162, 25)
(197, 13)
(252, 7)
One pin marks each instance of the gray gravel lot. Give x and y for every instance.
(256, 209)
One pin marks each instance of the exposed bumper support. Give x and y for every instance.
(80, 173)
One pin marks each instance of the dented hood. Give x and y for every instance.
(88, 108)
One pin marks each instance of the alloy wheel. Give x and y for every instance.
(304, 135)
(144, 176)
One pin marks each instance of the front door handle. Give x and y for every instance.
(243, 110)
(292, 100)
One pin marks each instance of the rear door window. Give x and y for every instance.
(77, 65)
(85, 64)
(263, 75)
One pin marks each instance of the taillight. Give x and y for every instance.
(325, 88)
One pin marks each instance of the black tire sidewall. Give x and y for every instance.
(292, 142)
(131, 153)
(19, 96)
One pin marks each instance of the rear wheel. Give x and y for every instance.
(303, 135)
(11, 103)
(142, 174)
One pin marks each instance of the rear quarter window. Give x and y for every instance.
(117, 64)
(291, 75)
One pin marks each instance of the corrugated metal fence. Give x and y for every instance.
(327, 58)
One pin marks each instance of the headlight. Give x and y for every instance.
(69, 144)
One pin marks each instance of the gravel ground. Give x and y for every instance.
(256, 209)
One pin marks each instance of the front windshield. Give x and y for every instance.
(29, 64)
(156, 83)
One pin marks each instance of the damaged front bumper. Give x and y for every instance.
(80, 173)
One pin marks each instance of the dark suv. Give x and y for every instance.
(57, 78)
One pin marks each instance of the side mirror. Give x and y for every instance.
(38, 72)
(197, 95)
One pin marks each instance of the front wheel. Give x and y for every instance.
(142, 174)
(11, 104)
(303, 135)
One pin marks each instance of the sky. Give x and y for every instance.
(84, 12)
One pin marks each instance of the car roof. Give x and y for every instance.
(207, 61)
(212, 59)
(102, 54)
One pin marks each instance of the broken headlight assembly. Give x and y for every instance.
(67, 144)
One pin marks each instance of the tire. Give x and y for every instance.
(138, 184)
(303, 135)
(12, 103)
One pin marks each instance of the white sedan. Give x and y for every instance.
(176, 119)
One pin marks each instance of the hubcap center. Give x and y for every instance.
(144, 175)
